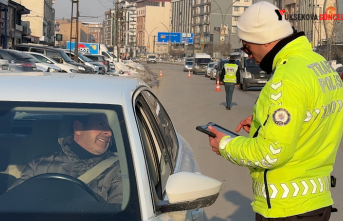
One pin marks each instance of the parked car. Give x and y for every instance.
(340, 72)
(100, 59)
(56, 54)
(44, 59)
(160, 177)
(210, 66)
(18, 61)
(251, 75)
(45, 67)
(97, 67)
(188, 66)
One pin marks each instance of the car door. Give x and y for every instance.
(162, 147)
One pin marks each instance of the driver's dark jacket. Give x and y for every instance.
(108, 184)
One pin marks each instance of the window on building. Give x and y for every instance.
(235, 18)
(234, 29)
(163, 4)
(236, 9)
(247, 0)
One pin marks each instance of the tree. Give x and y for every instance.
(223, 48)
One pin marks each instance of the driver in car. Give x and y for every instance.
(88, 146)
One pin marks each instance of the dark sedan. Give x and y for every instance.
(18, 61)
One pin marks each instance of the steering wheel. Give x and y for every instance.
(58, 176)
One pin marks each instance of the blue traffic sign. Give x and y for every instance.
(166, 37)
(187, 38)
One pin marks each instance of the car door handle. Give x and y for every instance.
(196, 214)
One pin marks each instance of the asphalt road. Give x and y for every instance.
(191, 102)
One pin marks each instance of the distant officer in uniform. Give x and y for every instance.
(296, 127)
(228, 76)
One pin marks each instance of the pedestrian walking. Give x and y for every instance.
(296, 126)
(228, 77)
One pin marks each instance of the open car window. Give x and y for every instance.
(41, 162)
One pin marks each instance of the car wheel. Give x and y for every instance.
(244, 87)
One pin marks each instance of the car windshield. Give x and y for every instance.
(202, 60)
(210, 65)
(21, 56)
(46, 147)
(189, 63)
(251, 63)
(84, 58)
(65, 57)
(95, 58)
(34, 58)
(152, 56)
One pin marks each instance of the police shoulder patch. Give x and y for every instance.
(281, 117)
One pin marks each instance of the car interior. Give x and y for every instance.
(28, 135)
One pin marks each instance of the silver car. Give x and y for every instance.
(213, 72)
(159, 176)
(210, 66)
(188, 66)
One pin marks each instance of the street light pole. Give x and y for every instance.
(169, 41)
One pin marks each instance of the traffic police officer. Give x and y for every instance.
(228, 75)
(296, 126)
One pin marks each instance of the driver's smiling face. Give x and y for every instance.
(95, 136)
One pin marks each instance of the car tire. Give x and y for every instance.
(244, 87)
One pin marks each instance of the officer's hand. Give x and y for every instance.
(221, 83)
(214, 142)
(245, 124)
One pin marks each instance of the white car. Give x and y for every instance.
(45, 67)
(44, 59)
(210, 66)
(160, 177)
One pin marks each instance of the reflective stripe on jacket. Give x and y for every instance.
(230, 73)
(297, 123)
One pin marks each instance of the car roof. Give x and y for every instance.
(65, 87)
(40, 46)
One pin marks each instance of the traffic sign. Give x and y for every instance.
(166, 37)
(187, 38)
(59, 37)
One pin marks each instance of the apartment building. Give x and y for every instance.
(41, 18)
(96, 32)
(16, 31)
(62, 26)
(153, 16)
(109, 29)
(129, 28)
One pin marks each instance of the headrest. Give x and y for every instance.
(66, 128)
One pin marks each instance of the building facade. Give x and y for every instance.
(153, 16)
(16, 32)
(129, 28)
(41, 18)
(96, 33)
(62, 26)
(109, 29)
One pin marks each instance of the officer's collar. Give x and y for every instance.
(267, 62)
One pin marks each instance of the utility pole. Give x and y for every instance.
(154, 43)
(117, 24)
(76, 37)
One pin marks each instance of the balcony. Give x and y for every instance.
(201, 3)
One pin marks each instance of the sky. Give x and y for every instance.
(87, 8)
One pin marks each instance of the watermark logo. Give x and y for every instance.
(330, 14)
(280, 13)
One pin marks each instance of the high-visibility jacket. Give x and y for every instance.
(230, 73)
(295, 134)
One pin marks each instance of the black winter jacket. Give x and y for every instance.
(108, 184)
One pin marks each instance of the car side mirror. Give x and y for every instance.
(188, 191)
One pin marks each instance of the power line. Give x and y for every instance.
(103, 5)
